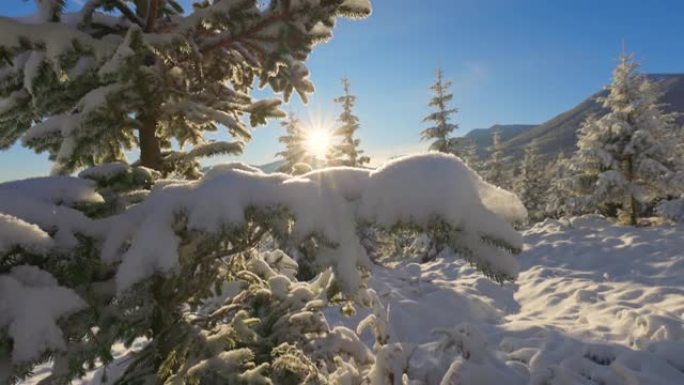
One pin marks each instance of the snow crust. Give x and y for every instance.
(594, 303)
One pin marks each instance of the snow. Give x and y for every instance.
(43, 202)
(15, 232)
(104, 171)
(122, 54)
(30, 304)
(594, 303)
(57, 38)
(32, 69)
(417, 188)
(58, 190)
(349, 181)
(672, 209)
(220, 200)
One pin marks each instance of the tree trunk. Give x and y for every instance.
(150, 151)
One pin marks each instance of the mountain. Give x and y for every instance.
(271, 167)
(560, 133)
(276, 164)
(483, 136)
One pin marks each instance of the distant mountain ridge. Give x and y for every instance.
(560, 133)
(277, 164)
(483, 136)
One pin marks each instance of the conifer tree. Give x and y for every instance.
(440, 131)
(347, 152)
(119, 75)
(530, 184)
(295, 148)
(496, 171)
(625, 158)
(557, 197)
(194, 266)
(470, 156)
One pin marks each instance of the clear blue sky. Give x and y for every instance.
(512, 61)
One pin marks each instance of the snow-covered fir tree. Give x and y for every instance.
(530, 184)
(557, 198)
(626, 157)
(470, 155)
(496, 171)
(194, 267)
(439, 133)
(294, 140)
(345, 151)
(89, 85)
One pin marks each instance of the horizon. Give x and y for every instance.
(536, 62)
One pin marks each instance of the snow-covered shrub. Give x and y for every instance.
(470, 225)
(157, 264)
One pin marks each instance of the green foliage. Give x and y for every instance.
(346, 152)
(87, 91)
(496, 171)
(531, 183)
(627, 158)
(294, 140)
(440, 132)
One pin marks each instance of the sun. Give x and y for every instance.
(318, 142)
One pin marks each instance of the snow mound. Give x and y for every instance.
(327, 202)
(349, 181)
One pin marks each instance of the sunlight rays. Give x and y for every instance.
(319, 126)
(318, 142)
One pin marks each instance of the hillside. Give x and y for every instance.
(560, 133)
(483, 136)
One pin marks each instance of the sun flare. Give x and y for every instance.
(318, 142)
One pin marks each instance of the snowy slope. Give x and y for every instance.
(593, 304)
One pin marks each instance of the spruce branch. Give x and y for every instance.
(130, 15)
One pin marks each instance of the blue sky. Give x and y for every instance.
(512, 61)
